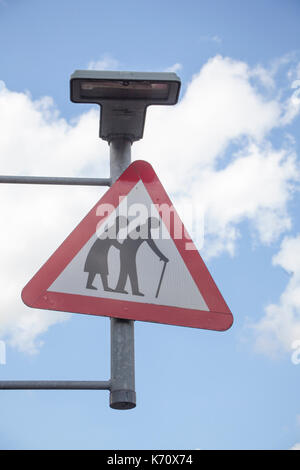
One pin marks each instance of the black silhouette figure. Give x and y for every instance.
(128, 254)
(97, 258)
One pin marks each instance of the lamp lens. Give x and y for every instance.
(124, 89)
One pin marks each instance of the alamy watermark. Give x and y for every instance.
(140, 221)
(2, 353)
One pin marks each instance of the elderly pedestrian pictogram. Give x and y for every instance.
(97, 259)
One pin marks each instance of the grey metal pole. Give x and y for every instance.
(122, 383)
(54, 385)
(55, 180)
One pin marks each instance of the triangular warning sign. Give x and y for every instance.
(131, 258)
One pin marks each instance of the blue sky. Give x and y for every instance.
(234, 138)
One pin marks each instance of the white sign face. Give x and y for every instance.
(147, 267)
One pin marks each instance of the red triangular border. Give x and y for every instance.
(35, 293)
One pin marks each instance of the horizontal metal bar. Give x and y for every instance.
(55, 180)
(54, 385)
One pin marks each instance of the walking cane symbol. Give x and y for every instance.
(161, 278)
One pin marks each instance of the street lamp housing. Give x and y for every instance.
(124, 98)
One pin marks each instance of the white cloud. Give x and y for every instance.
(106, 62)
(255, 186)
(292, 105)
(36, 141)
(264, 76)
(280, 326)
(222, 107)
(188, 147)
(174, 68)
(219, 107)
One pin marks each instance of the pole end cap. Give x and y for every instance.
(122, 399)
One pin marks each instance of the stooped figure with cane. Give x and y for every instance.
(128, 253)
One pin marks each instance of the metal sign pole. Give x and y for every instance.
(122, 383)
(56, 180)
